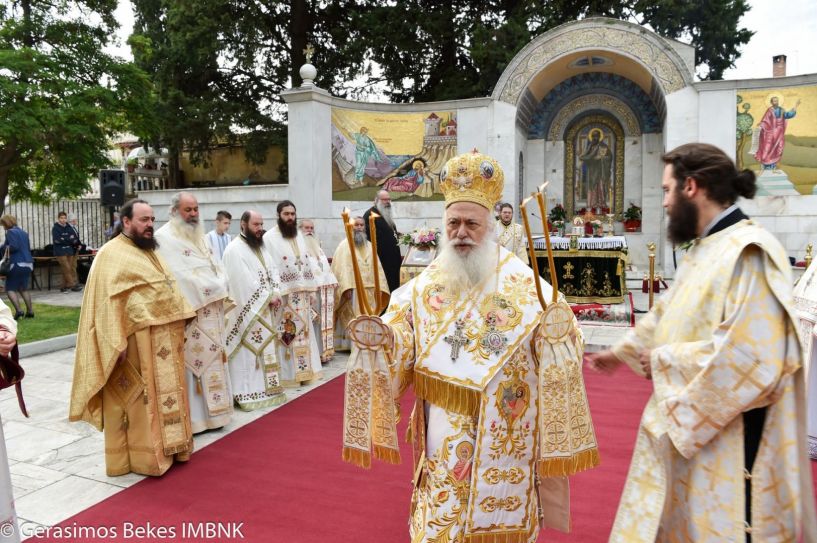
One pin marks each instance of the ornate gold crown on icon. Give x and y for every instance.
(472, 177)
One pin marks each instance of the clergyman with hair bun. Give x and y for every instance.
(727, 416)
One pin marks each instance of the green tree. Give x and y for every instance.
(431, 50)
(62, 97)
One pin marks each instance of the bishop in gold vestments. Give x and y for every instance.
(129, 369)
(501, 415)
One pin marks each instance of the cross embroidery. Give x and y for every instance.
(457, 340)
(568, 270)
(747, 375)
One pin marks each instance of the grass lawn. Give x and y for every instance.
(49, 321)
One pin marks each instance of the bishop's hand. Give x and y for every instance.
(604, 361)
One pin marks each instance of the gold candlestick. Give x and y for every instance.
(532, 252)
(651, 248)
(554, 281)
(361, 294)
(809, 248)
(375, 264)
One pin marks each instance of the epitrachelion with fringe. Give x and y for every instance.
(516, 376)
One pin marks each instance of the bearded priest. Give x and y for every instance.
(201, 278)
(501, 415)
(253, 283)
(298, 349)
(348, 307)
(129, 368)
(721, 452)
(326, 284)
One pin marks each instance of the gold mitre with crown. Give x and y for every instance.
(472, 177)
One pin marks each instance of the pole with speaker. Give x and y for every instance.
(111, 190)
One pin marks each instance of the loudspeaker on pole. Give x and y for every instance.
(112, 187)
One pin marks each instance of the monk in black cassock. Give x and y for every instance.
(387, 248)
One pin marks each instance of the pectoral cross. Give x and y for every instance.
(457, 340)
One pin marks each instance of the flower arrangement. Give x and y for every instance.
(423, 237)
(557, 213)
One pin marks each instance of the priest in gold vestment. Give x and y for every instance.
(203, 283)
(501, 416)
(347, 308)
(129, 371)
(721, 452)
(510, 234)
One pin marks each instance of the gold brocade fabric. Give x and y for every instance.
(512, 237)
(477, 363)
(128, 290)
(723, 341)
(346, 307)
(145, 410)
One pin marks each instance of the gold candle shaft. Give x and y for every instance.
(554, 281)
(361, 294)
(532, 254)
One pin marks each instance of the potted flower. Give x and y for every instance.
(632, 218)
(132, 163)
(597, 228)
(559, 226)
(557, 216)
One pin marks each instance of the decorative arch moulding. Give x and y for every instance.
(628, 39)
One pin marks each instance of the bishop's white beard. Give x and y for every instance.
(190, 232)
(462, 272)
(385, 212)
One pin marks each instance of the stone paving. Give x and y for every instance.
(58, 468)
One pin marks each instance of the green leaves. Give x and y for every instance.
(62, 97)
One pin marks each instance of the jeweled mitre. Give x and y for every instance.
(472, 177)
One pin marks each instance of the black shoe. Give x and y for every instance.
(64, 290)
(29, 315)
(18, 315)
(76, 288)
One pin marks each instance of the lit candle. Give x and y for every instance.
(361, 295)
(532, 252)
(375, 263)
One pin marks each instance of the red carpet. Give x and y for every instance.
(282, 477)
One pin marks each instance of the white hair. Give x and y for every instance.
(176, 199)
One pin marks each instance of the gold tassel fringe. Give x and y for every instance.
(358, 457)
(518, 536)
(386, 454)
(450, 396)
(562, 467)
(198, 386)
